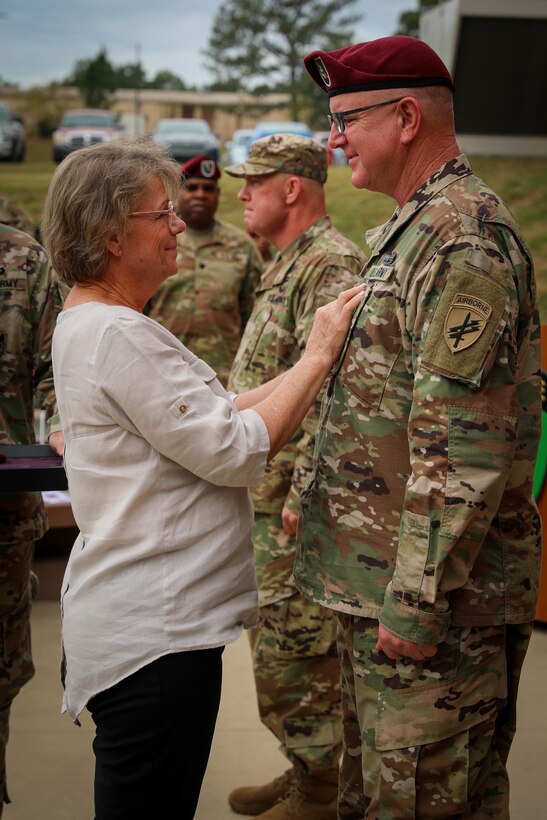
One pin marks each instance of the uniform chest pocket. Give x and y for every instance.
(374, 347)
(217, 283)
(256, 327)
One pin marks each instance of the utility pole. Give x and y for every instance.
(138, 92)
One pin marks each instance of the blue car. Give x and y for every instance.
(266, 129)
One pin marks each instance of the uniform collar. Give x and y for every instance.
(446, 175)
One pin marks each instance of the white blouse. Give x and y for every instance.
(158, 460)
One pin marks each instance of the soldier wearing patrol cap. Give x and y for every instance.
(206, 304)
(418, 526)
(296, 668)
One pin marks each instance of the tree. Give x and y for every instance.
(130, 75)
(256, 40)
(167, 80)
(409, 21)
(95, 79)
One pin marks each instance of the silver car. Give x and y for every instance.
(186, 138)
(13, 141)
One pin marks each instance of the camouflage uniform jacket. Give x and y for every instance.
(29, 301)
(12, 214)
(308, 273)
(420, 512)
(206, 304)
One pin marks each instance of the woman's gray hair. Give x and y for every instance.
(91, 194)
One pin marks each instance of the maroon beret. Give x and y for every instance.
(201, 166)
(390, 62)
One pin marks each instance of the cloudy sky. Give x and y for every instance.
(40, 40)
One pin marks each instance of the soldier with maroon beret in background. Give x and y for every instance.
(206, 304)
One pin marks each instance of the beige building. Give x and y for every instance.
(224, 111)
(140, 110)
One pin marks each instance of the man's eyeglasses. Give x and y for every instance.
(192, 187)
(169, 212)
(338, 118)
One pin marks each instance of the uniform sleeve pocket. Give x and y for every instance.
(411, 556)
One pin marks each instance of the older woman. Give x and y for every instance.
(158, 458)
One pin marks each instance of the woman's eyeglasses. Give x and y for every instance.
(169, 212)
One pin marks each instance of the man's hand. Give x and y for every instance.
(57, 442)
(289, 521)
(395, 647)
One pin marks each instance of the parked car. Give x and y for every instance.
(266, 129)
(81, 127)
(185, 138)
(237, 149)
(336, 155)
(13, 141)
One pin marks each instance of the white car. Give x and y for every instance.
(185, 138)
(81, 127)
(237, 149)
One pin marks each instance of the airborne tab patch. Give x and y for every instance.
(465, 321)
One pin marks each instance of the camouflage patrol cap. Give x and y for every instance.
(389, 62)
(284, 154)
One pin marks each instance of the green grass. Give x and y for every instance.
(522, 183)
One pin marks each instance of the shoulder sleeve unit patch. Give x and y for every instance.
(467, 323)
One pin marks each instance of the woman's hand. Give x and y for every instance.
(283, 402)
(57, 442)
(331, 324)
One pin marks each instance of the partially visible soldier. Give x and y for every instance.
(207, 303)
(29, 301)
(297, 673)
(17, 217)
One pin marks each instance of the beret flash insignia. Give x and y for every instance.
(323, 73)
(207, 168)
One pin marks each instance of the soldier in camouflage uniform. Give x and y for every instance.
(13, 214)
(296, 669)
(207, 303)
(29, 301)
(419, 526)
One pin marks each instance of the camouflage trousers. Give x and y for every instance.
(428, 739)
(296, 668)
(16, 666)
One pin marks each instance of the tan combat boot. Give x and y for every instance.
(311, 797)
(253, 800)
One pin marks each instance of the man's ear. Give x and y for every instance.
(292, 188)
(410, 118)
